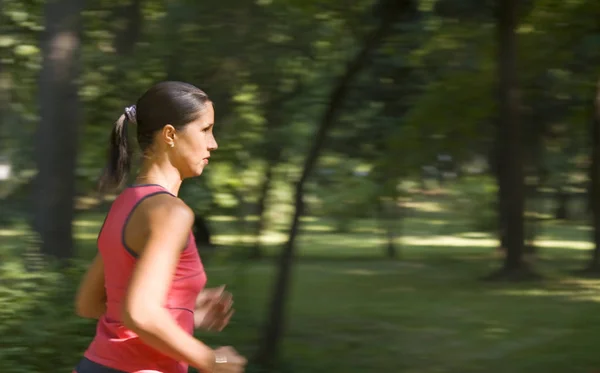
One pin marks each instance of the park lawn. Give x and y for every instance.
(420, 317)
(428, 312)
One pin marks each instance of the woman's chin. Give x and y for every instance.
(198, 171)
(193, 173)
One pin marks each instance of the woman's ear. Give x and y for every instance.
(168, 135)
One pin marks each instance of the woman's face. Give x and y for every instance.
(193, 143)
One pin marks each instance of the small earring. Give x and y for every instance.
(172, 145)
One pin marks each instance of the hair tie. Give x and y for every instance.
(130, 114)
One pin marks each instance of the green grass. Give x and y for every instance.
(419, 317)
(352, 311)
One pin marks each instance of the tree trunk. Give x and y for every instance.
(5, 90)
(56, 145)
(594, 197)
(127, 33)
(4, 107)
(273, 155)
(273, 330)
(562, 205)
(256, 252)
(126, 37)
(496, 166)
(390, 217)
(5, 147)
(510, 145)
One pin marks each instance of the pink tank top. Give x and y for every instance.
(114, 345)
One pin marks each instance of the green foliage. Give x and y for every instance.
(474, 200)
(40, 332)
(197, 195)
(345, 195)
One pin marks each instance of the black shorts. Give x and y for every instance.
(87, 366)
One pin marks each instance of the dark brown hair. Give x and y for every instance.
(174, 103)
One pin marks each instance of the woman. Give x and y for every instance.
(146, 285)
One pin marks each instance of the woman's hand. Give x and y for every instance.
(227, 360)
(213, 309)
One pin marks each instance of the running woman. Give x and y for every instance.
(146, 284)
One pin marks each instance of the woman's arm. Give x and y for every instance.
(169, 222)
(90, 301)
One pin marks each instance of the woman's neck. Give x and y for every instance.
(164, 175)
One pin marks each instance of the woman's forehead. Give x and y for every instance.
(205, 117)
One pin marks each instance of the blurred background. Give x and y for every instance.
(400, 186)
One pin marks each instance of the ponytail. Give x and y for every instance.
(119, 152)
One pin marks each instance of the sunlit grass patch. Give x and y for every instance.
(222, 218)
(12, 232)
(88, 223)
(86, 236)
(426, 206)
(269, 238)
(563, 244)
(449, 241)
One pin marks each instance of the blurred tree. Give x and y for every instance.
(59, 125)
(594, 265)
(389, 13)
(509, 141)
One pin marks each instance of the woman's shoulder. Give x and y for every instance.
(167, 206)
